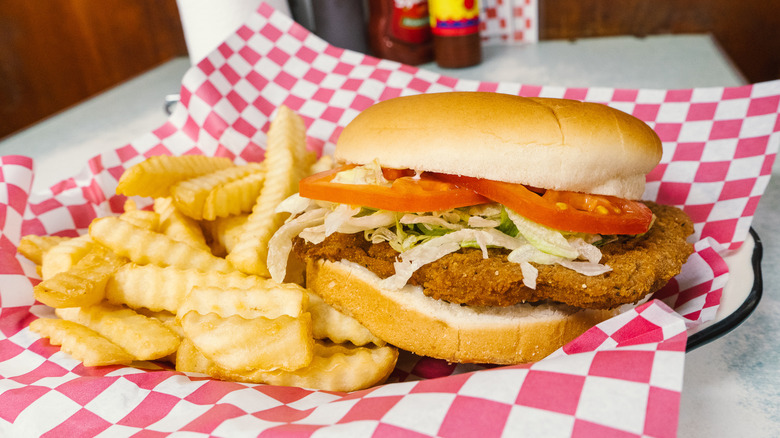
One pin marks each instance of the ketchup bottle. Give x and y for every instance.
(455, 27)
(400, 30)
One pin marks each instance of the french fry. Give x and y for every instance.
(154, 176)
(167, 318)
(270, 301)
(163, 316)
(305, 163)
(145, 219)
(65, 255)
(80, 342)
(147, 247)
(34, 247)
(333, 368)
(190, 360)
(165, 288)
(235, 343)
(329, 323)
(192, 274)
(143, 337)
(224, 233)
(233, 198)
(129, 205)
(224, 325)
(325, 162)
(82, 285)
(190, 195)
(177, 226)
(284, 153)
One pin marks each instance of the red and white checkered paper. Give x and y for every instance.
(509, 21)
(623, 377)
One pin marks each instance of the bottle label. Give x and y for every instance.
(454, 17)
(410, 22)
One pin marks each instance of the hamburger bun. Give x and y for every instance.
(426, 326)
(548, 143)
(495, 284)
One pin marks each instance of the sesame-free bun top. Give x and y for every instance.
(549, 143)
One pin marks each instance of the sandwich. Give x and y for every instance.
(483, 227)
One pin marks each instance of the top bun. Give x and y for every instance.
(548, 143)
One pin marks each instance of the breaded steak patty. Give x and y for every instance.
(640, 265)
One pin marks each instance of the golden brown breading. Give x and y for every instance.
(640, 266)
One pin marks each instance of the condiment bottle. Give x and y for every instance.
(399, 30)
(455, 27)
(341, 23)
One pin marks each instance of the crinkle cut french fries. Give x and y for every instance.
(285, 155)
(185, 281)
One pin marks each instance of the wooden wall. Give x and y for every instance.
(747, 30)
(55, 53)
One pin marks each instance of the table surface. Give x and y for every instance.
(731, 385)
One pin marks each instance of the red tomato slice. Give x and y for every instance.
(406, 193)
(565, 211)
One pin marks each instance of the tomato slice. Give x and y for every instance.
(405, 194)
(565, 211)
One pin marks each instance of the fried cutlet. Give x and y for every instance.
(640, 265)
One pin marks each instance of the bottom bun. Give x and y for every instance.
(425, 326)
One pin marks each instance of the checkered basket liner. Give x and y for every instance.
(622, 377)
(509, 21)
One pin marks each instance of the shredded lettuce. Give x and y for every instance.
(506, 225)
(585, 268)
(530, 274)
(429, 222)
(422, 238)
(481, 222)
(530, 253)
(280, 245)
(338, 217)
(586, 250)
(545, 239)
(370, 173)
(295, 205)
(434, 249)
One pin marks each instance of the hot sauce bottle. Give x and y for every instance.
(455, 27)
(400, 30)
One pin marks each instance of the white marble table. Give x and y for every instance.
(731, 386)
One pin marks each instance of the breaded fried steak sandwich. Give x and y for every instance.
(484, 227)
